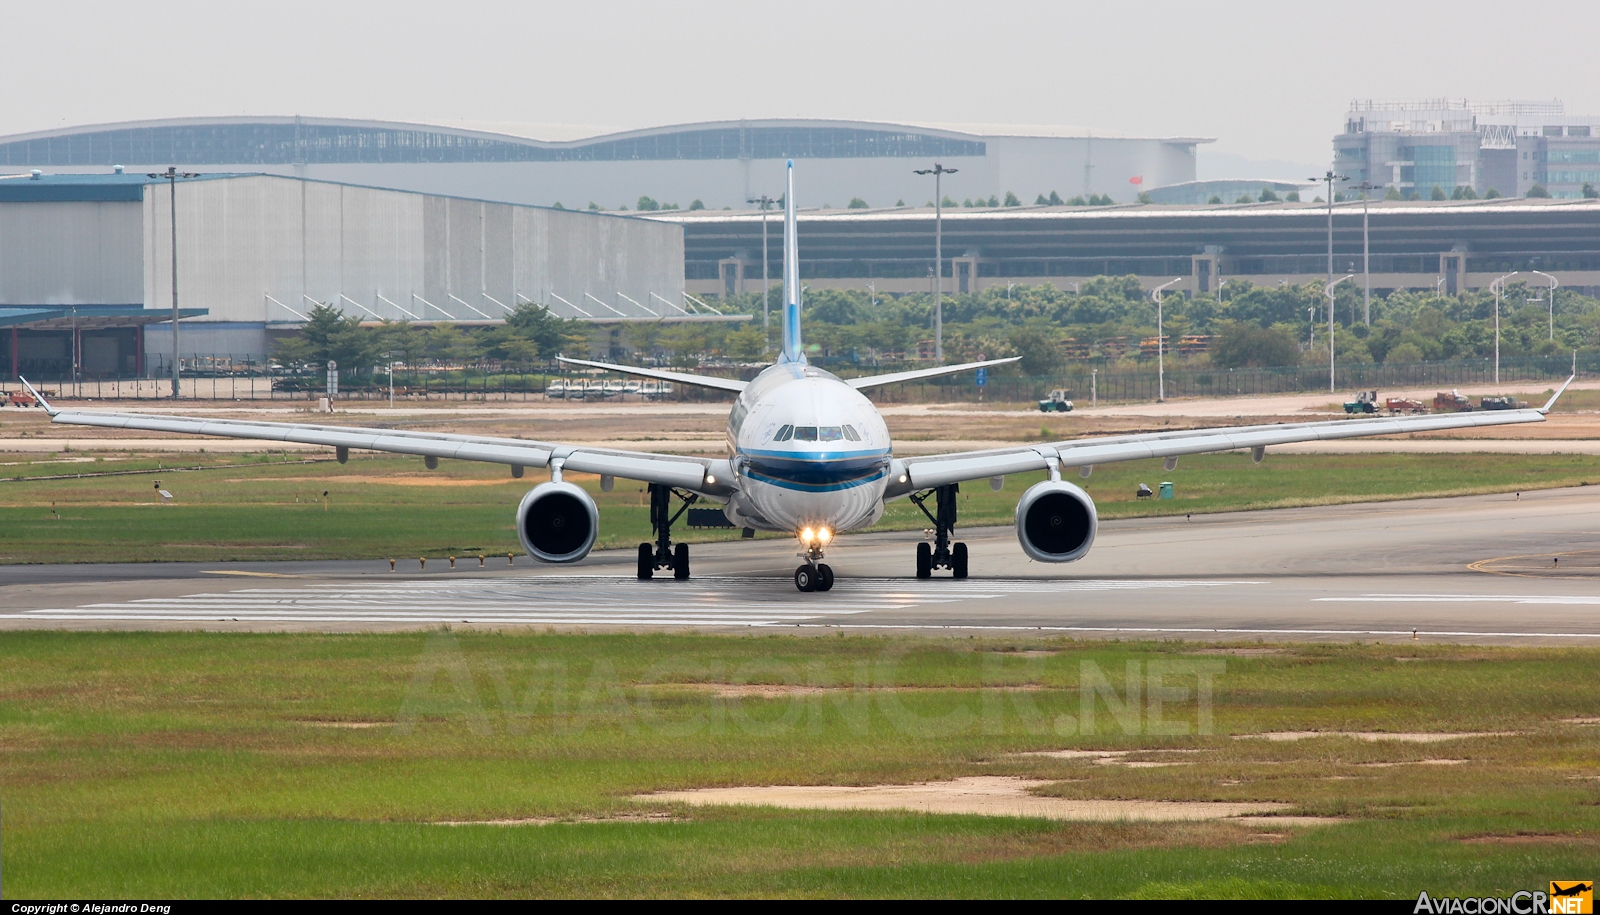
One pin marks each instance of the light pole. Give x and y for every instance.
(938, 172)
(172, 175)
(1499, 286)
(1328, 291)
(1365, 188)
(765, 202)
(1553, 284)
(1161, 344)
(1330, 178)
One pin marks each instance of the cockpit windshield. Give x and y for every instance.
(817, 434)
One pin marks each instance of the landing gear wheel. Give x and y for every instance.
(824, 577)
(680, 562)
(958, 560)
(924, 560)
(805, 578)
(647, 562)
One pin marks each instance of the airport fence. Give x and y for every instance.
(219, 378)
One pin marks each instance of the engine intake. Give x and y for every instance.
(1056, 522)
(557, 522)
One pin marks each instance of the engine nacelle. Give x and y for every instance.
(1056, 522)
(557, 522)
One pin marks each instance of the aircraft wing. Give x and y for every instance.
(940, 470)
(703, 381)
(875, 381)
(704, 475)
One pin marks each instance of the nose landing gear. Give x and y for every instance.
(814, 575)
(664, 554)
(941, 554)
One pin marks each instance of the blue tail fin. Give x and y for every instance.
(792, 349)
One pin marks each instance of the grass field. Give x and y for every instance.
(261, 508)
(194, 764)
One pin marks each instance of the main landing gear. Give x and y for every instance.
(942, 554)
(664, 554)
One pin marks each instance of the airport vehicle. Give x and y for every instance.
(1502, 403)
(1404, 405)
(22, 399)
(1057, 402)
(1366, 402)
(1451, 402)
(808, 454)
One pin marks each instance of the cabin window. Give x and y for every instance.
(805, 433)
(850, 433)
(830, 433)
(784, 434)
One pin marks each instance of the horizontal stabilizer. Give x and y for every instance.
(876, 381)
(699, 381)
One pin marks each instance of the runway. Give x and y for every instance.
(1484, 569)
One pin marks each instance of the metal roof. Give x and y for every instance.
(88, 317)
(81, 187)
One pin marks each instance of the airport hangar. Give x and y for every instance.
(1448, 245)
(86, 263)
(720, 163)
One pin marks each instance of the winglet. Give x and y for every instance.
(1553, 397)
(38, 397)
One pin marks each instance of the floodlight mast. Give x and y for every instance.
(1499, 286)
(1553, 284)
(1161, 355)
(1328, 290)
(765, 202)
(1365, 187)
(1330, 178)
(172, 175)
(938, 172)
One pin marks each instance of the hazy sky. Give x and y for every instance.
(1268, 80)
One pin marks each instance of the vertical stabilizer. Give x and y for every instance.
(792, 350)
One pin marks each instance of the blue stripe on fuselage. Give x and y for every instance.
(816, 471)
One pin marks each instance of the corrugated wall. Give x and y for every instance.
(77, 253)
(244, 239)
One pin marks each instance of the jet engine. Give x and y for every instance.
(1056, 522)
(557, 522)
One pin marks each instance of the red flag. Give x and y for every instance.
(1136, 179)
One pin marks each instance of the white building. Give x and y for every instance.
(721, 163)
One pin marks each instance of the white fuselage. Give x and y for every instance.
(809, 451)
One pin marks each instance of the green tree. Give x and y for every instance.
(1245, 198)
(1239, 344)
(856, 203)
(1538, 191)
(1491, 194)
(1589, 191)
(900, 203)
(947, 202)
(558, 206)
(1292, 197)
(1039, 345)
(1437, 193)
(697, 204)
(647, 204)
(1393, 193)
(546, 333)
(594, 206)
(1144, 197)
(994, 201)
(1011, 200)
(746, 343)
(1267, 196)
(1215, 198)
(329, 335)
(1054, 199)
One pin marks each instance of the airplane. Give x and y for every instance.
(808, 455)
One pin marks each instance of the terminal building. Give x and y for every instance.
(1508, 147)
(719, 163)
(86, 264)
(1450, 246)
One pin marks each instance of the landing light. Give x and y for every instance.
(711, 480)
(902, 478)
(824, 535)
(807, 535)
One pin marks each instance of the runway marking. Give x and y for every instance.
(1562, 599)
(578, 600)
